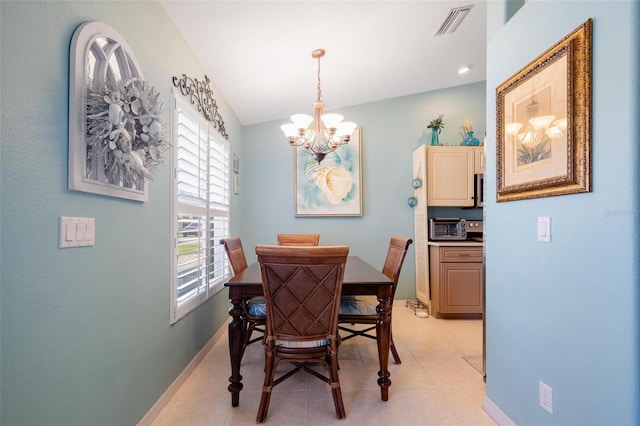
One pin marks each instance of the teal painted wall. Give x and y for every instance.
(567, 312)
(85, 331)
(391, 131)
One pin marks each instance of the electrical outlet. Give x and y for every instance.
(546, 397)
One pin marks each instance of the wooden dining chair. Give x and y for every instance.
(302, 287)
(362, 309)
(298, 239)
(255, 308)
(235, 252)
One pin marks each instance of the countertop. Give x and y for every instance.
(455, 243)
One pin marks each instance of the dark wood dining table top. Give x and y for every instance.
(360, 278)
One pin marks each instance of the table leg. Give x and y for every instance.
(236, 339)
(383, 333)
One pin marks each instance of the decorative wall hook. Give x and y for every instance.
(200, 92)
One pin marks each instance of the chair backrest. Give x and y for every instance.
(298, 239)
(398, 247)
(302, 287)
(233, 247)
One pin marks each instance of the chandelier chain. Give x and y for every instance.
(319, 89)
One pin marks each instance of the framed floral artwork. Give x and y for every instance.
(543, 129)
(332, 187)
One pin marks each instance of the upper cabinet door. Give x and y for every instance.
(450, 171)
(479, 159)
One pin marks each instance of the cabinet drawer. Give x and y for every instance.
(460, 254)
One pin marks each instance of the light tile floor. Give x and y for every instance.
(434, 385)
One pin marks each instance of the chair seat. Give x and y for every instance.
(256, 307)
(298, 345)
(358, 305)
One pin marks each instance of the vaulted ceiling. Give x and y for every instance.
(258, 53)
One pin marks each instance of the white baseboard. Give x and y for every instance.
(153, 413)
(496, 413)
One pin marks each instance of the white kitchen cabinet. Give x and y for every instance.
(478, 155)
(450, 174)
(449, 177)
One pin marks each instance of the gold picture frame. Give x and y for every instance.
(543, 123)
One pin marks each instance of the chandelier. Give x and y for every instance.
(322, 133)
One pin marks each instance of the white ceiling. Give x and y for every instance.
(258, 53)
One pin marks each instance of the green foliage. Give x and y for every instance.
(187, 248)
(437, 123)
(530, 154)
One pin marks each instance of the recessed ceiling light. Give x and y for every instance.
(464, 69)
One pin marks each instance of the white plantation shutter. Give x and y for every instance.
(201, 207)
(191, 159)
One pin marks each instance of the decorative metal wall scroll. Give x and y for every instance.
(201, 94)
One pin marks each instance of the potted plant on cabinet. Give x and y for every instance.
(436, 125)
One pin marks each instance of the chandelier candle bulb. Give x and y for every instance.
(332, 120)
(347, 128)
(301, 121)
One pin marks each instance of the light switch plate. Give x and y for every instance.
(77, 231)
(544, 229)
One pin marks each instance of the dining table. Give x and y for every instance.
(360, 278)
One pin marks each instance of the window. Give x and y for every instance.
(201, 209)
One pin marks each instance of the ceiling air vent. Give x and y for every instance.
(453, 19)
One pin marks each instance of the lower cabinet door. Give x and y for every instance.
(461, 288)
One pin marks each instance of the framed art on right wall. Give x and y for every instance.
(543, 123)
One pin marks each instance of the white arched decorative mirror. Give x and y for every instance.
(115, 128)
